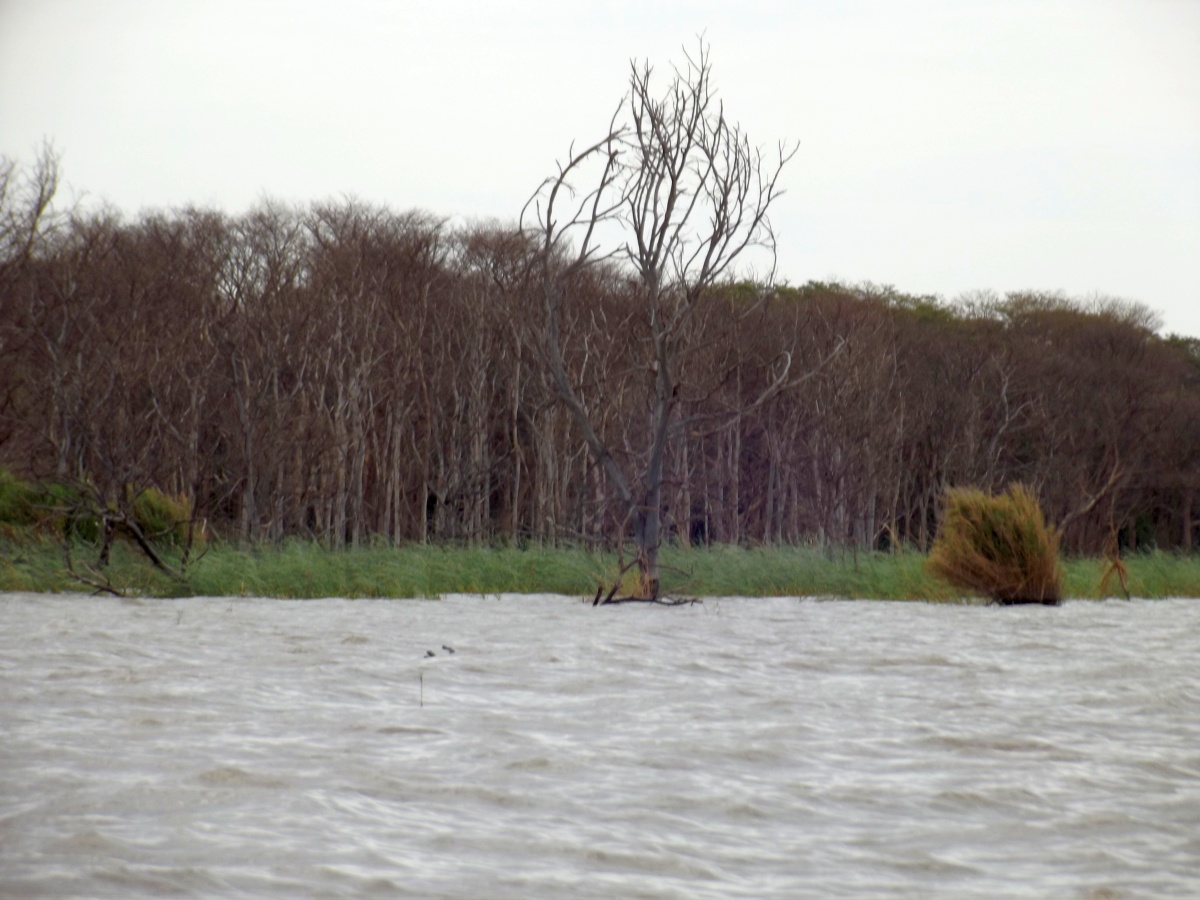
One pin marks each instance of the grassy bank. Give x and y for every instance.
(302, 570)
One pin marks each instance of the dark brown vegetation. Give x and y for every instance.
(998, 545)
(347, 372)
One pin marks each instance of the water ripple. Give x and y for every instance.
(741, 748)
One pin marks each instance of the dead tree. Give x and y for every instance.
(673, 195)
(87, 509)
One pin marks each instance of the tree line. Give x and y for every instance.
(346, 372)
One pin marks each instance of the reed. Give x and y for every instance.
(799, 572)
(997, 545)
(303, 569)
(1154, 573)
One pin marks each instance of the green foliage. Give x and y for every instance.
(997, 545)
(70, 513)
(75, 514)
(740, 294)
(18, 501)
(29, 509)
(163, 517)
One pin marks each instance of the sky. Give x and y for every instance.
(945, 146)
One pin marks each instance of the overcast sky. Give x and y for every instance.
(945, 145)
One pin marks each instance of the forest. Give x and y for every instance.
(349, 373)
(353, 375)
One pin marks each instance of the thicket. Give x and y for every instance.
(349, 373)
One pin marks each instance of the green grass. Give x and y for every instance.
(1152, 574)
(799, 571)
(299, 569)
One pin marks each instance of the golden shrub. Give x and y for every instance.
(998, 545)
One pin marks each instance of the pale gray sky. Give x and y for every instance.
(945, 145)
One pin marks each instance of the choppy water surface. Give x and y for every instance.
(756, 748)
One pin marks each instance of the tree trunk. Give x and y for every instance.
(1186, 540)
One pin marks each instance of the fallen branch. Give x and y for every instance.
(97, 581)
(113, 522)
(657, 601)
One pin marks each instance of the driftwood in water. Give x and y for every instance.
(610, 599)
(1019, 601)
(657, 601)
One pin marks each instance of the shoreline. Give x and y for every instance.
(305, 570)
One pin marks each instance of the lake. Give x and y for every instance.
(735, 748)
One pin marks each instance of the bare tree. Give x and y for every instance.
(673, 195)
(26, 207)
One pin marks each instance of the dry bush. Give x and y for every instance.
(997, 545)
